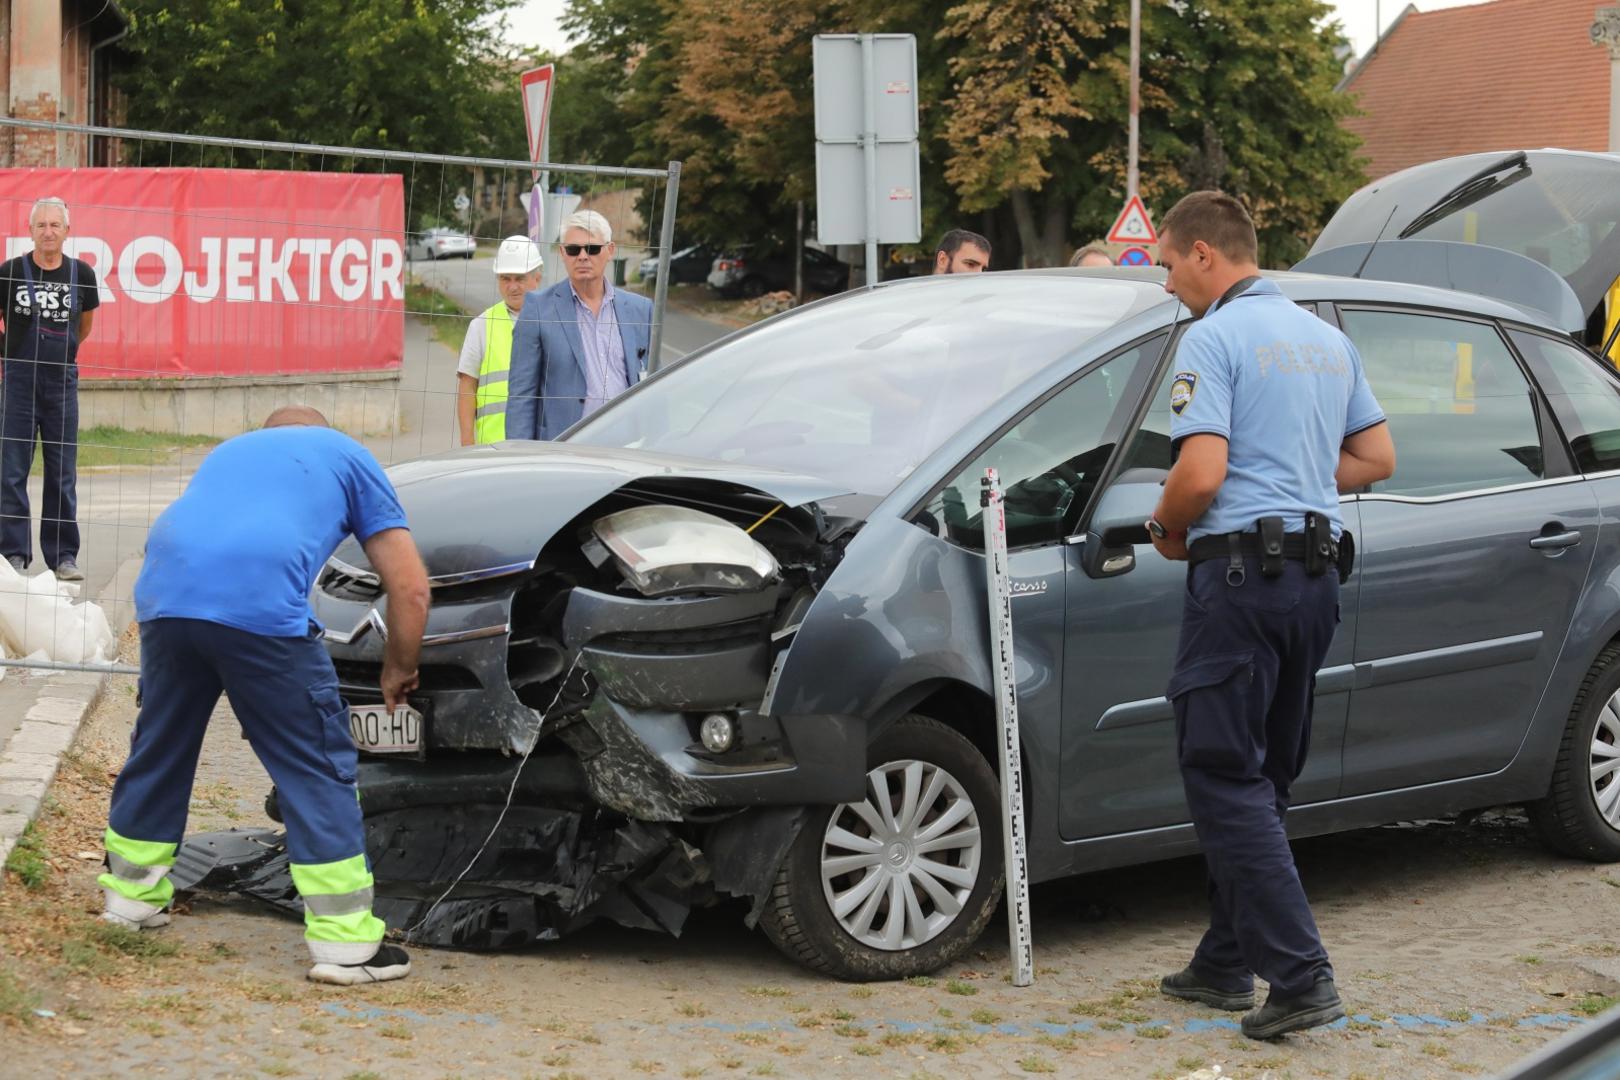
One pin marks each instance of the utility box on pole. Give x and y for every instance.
(868, 171)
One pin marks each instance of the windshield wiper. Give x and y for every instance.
(1470, 191)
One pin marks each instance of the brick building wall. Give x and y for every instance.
(47, 48)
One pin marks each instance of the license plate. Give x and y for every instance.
(377, 730)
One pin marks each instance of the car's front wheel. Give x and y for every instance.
(904, 881)
(1580, 816)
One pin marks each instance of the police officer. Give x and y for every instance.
(1271, 419)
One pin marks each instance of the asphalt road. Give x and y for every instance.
(471, 283)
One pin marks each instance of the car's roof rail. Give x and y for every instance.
(1469, 268)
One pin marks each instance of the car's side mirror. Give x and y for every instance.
(1118, 524)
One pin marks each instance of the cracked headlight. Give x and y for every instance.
(664, 550)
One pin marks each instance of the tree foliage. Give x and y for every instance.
(423, 75)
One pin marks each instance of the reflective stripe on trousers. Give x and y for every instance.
(139, 869)
(337, 901)
(489, 423)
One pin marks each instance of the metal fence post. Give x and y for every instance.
(666, 241)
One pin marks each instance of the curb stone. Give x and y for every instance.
(33, 754)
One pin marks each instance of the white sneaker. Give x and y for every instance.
(151, 922)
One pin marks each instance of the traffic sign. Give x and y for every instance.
(1133, 226)
(1135, 257)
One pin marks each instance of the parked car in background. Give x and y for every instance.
(688, 266)
(752, 271)
(442, 243)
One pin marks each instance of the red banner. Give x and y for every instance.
(209, 272)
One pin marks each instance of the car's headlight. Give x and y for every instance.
(664, 550)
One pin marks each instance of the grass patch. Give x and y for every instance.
(1157, 1031)
(446, 318)
(1531, 960)
(27, 859)
(920, 980)
(957, 986)
(866, 1049)
(16, 1001)
(107, 445)
(1592, 1004)
(1067, 1041)
(94, 947)
(862, 992)
(691, 1008)
(768, 991)
(840, 1014)
(396, 1031)
(984, 1016)
(1459, 1016)
(277, 1068)
(1034, 1063)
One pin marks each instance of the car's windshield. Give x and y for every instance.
(862, 389)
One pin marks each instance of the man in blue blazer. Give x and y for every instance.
(580, 342)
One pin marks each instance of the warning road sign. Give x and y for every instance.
(1133, 225)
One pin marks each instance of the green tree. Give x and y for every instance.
(421, 75)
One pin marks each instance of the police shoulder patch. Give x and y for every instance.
(1182, 388)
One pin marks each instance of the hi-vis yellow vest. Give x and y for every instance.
(489, 422)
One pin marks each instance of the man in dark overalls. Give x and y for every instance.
(1271, 419)
(50, 302)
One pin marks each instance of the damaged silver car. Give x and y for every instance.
(727, 638)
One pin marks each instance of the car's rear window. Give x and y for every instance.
(862, 389)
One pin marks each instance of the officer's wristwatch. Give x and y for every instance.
(1161, 533)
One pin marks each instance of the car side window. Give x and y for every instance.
(1584, 394)
(1049, 461)
(1460, 411)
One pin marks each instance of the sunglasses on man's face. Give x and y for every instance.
(572, 250)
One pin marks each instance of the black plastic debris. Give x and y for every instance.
(544, 873)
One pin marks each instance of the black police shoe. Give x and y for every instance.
(1280, 1015)
(1188, 985)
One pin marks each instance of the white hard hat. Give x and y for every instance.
(518, 255)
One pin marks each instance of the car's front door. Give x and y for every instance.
(1118, 742)
(1471, 556)
(1049, 462)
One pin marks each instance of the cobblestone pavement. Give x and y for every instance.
(1460, 946)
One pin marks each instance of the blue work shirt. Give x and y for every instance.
(1285, 390)
(243, 544)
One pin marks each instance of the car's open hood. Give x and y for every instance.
(482, 508)
(1558, 207)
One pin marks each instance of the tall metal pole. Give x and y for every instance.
(1131, 175)
(869, 142)
(666, 246)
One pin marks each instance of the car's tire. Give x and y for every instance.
(1580, 817)
(752, 287)
(947, 780)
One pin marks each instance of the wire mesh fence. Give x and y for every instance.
(224, 278)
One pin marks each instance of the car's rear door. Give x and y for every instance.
(1470, 558)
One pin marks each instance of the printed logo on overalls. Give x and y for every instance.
(1181, 390)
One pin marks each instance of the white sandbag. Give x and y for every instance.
(37, 615)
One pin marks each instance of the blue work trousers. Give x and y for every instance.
(39, 400)
(1242, 690)
(285, 694)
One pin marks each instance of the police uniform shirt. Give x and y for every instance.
(47, 301)
(1285, 390)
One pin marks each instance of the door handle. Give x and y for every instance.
(1557, 540)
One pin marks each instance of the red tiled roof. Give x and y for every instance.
(1507, 75)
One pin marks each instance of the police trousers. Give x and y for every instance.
(1242, 691)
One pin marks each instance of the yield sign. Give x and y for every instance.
(537, 84)
(1132, 226)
